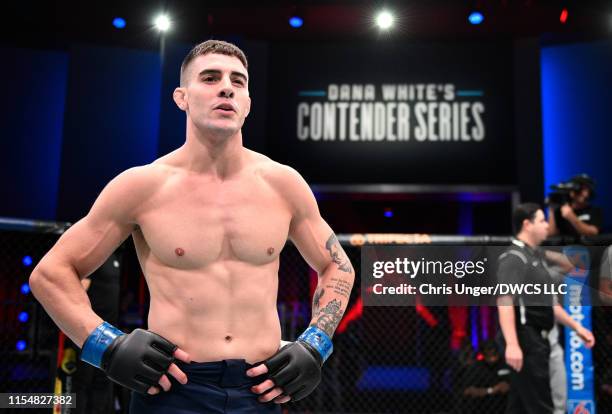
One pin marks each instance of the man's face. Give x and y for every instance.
(538, 229)
(217, 93)
(581, 197)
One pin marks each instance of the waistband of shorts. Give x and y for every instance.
(225, 373)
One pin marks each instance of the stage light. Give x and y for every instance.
(27, 261)
(119, 22)
(162, 22)
(388, 213)
(296, 22)
(23, 317)
(384, 20)
(564, 15)
(25, 288)
(21, 345)
(476, 17)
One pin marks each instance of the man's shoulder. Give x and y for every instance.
(274, 172)
(514, 255)
(139, 182)
(287, 182)
(143, 174)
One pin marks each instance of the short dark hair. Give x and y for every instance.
(525, 211)
(213, 46)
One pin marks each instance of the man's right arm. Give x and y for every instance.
(56, 283)
(56, 280)
(552, 223)
(510, 271)
(514, 354)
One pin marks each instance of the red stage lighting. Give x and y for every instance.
(563, 17)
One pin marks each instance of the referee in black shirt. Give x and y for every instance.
(526, 319)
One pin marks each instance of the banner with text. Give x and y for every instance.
(415, 113)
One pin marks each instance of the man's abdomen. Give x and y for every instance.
(228, 312)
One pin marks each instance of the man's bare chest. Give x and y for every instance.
(193, 226)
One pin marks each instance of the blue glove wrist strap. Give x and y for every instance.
(97, 342)
(319, 340)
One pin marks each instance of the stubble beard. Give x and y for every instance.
(217, 131)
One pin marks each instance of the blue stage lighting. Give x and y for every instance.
(25, 288)
(388, 213)
(23, 317)
(119, 22)
(296, 22)
(21, 345)
(476, 17)
(27, 261)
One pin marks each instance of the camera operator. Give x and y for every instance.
(570, 212)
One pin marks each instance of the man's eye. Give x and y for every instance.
(239, 82)
(208, 79)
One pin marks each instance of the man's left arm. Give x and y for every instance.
(584, 229)
(560, 260)
(295, 370)
(321, 249)
(565, 319)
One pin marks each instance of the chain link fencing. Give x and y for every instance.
(386, 359)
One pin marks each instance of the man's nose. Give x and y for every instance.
(226, 90)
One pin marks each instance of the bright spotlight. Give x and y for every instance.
(162, 23)
(27, 260)
(119, 22)
(384, 20)
(296, 21)
(476, 17)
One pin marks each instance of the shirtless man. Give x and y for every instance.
(209, 221)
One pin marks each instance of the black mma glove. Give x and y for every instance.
(296, 367)
(136, 360)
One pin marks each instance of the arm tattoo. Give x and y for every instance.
(329, 317)
(337, 254)
(340, 286)
(316, 299)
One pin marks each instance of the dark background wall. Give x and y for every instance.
(576, 114)
(528, 119)
(111, 121)
(33, 84)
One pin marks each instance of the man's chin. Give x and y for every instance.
(222, 128)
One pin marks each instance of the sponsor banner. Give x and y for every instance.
(579, 359)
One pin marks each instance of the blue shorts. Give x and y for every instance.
(212, 387)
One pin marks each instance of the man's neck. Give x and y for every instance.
(527, 240)
(217, 155)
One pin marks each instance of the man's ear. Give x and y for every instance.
(248, 109)
(526, 223)
(180, 98)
